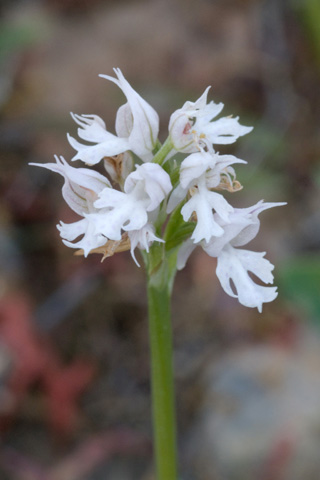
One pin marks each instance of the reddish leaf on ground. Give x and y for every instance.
(35, 362)
(63, 386)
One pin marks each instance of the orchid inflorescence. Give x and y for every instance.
(150, 194)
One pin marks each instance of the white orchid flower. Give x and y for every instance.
(137, 128)
(233, 263)
(136, 119)
(202, 202)
(144, 190)
(201, 164)
(242, 227)
(191, 127)
(80, 190)
(81, 185)
(199, 173)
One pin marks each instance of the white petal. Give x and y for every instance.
(234, 265)
(142, 239)
(251, 213)
(198, 104)
(210, 111)
(206, 225)
(177, 195)
(219, 204)
(200, 107)
(125, 212)
(195, 165)
(156, 183)
(81, 185)
(255, 263)
(224, 131)
(94, 153)
(124, 121)
(230, 231)
(223, 161)
(71, 231)
(145, 128)
(242, 226)
(180, 132)
(202, 204)
(85, 227)
(93, 128)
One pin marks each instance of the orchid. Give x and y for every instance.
(132, 215)
(137, 127)
(202, 202)
(144, 190)
(233, 263)
(80, 190)
(152, 200)
(191, 126)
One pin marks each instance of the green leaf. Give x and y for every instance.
(177, 230)
(300, 282)
(182, 234)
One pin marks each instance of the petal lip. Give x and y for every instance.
(142, 239)
(234, 264)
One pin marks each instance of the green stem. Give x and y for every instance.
(161, 154)
(164, 424)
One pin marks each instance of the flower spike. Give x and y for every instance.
(148, 194)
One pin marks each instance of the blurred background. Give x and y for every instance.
(74, 355)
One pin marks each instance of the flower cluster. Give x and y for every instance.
(148, 194)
